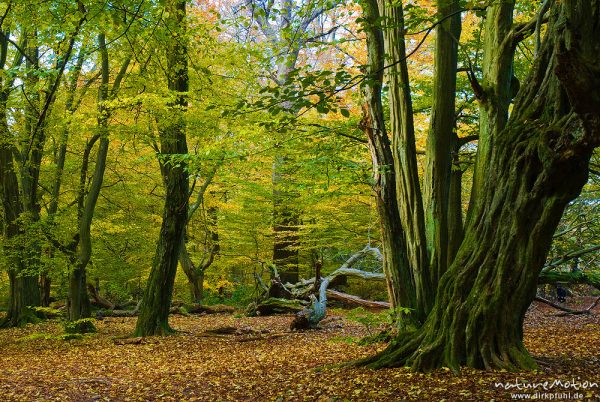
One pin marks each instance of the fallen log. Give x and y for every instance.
(116, 313)
(204, 309)
(292, 297)
(275, 305)
(98, 300)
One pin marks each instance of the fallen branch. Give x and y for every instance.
(98, 300)
(567, 310)
(355, 300)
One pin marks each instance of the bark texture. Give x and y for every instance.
(410, 200)
(538, 163)
(438, 167)
(399, 276)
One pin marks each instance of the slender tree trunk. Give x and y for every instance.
(285, 223)
(436, 184)
(494, 97)
(154, 311)
(538, 164)
(455, 209)
(404, 151)
(399, 276)
(45, 279)
(194, 277)
(79, 306)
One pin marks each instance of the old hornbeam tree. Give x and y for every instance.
(530, 164)
(154, 312)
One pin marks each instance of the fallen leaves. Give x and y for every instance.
(224, 358)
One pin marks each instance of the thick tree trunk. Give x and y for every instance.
(24, 294)
(154, 311)
(538, 164)
(23, 288)
(45, 286)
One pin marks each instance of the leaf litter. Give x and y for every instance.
(228, 358)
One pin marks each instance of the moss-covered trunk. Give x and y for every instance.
(154, 311)
(538, 163)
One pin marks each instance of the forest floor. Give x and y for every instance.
(267, 362)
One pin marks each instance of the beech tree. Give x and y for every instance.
(156, 302)
(468, 309)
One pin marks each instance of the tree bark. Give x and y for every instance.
(495, 96)
(193, 272)
(539, 162)
(410, 201)
(455, 208)
(399, 276)
(438, 164)
(154, 311)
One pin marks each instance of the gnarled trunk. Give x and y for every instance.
(537, 164)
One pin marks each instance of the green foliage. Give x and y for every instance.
(240, 296)
(367, 318)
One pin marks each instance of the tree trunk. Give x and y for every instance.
(436, 183)
(399, 276)
(154, 311)
(23, 288)
(45, 286)
(195, 274)
(195, 278)
(79, 302)
(45, 280)
(410, 202)
(285, 223)
(494, 98)
(538, 164)
(455, 208)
